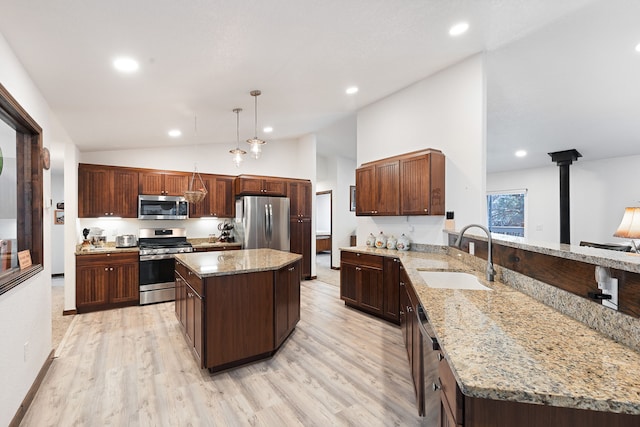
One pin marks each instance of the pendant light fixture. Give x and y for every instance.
(255, 142)
(237, 152)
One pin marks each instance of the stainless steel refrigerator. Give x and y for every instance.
(263, 222)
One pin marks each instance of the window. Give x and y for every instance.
(20, 192)
(506, 212)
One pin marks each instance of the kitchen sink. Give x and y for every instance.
(452, 280)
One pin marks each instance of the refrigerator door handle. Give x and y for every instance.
(270, 222)
(267, 236)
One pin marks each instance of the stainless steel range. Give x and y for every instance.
(157, 249)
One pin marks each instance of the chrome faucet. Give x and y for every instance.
(490, 271)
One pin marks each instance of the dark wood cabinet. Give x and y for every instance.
(408, 184)
(106, 281)
(217, 248)
(163, 183)
(248, 185)
(361, 282)
(287, 301)
(300, 242)
(300, 199)
(422, 184)
(107, 191)
(219, 201)
(391, 289)
(189, 308)
(412, 337)
(378, 189)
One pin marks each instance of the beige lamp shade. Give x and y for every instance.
(630, 225)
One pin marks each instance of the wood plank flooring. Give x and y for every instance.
(132, 367)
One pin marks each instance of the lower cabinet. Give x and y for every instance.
(189, 308)
(287, 301)
(370, 283)
(106, 280)
(412, 337)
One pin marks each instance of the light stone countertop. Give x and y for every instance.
(208, 264)
(505, 345)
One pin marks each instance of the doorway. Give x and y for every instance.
(324, 228)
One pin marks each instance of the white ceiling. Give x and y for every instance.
(200, 58)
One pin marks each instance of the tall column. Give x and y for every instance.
(564, 159)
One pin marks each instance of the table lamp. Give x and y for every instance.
(629, 227)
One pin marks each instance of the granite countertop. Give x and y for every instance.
(208, 264)
(204, 243)
(502, 344)
(108, 248)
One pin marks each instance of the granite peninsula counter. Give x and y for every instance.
(237, 306)
(504, 345)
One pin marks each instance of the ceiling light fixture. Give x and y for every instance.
(351, 90)
(521, 153)
(638, 47)
(126, 65)
(174, 133)
(237, 152)
(458, 29)
(267, 129)
(255, 142)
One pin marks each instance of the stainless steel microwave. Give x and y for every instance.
(162, 207)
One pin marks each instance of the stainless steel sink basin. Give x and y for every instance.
(452, 280)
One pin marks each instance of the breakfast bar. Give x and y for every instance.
(237, 307)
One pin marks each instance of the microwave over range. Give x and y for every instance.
(162, 207)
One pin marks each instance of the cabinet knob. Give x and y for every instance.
(401, 313)
(440, 357)
(111, 269)
(357, 254)
(426, 210)
(436, 387)
(409, 309)
(292, 268)
(358, 269)
(402, 284)
(106, 269)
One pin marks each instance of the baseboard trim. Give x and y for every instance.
(335, 268)
(57, 275)
(69, 312)
(26, 402)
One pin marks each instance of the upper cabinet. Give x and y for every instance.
(218, 202)
(248, 185)
(409, 184)
(163, 183)
(107, 191)
(299, 193)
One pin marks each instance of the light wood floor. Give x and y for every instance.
(132, 367)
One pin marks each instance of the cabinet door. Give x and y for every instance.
(222, 202)
(404, 318)
(124, 282)
(151, 183)
(299, 193)
(415, 185)
(249, 186)
(204, 208)
(274, 187)
(365, 190)
(181, 300)
(176, 184)
(348, 288)
(370, 288)
(198, 327)
(387, 186)
(287, 301)
(124, 196)
(92, 285)
(392, 289)
(94, 187)
(190, 314)
(300, 231)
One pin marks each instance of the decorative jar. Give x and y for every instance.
(392, 242)
(381, 241)
(404, 244)
(371, 240)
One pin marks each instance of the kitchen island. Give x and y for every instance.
(512, 360)
(237, 307)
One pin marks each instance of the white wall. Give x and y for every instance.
(323, 213)
(445, 111)
(25, 311)
(598, 197)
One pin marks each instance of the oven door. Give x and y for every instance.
(157, 278)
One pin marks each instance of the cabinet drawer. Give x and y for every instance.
(106, 258)
(374, 261)
(194, 281)
(451, 394)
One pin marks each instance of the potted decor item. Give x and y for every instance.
(371, 240)
(404, 244)
(392, 242)
(381, 241)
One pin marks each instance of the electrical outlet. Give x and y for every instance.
(26, 351)
(472, 248)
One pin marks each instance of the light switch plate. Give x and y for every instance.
(472, 248)
(613, 302)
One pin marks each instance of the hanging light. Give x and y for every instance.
(237, 152)
(255, 142)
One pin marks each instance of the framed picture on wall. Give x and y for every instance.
(58, 217)
(352, 198)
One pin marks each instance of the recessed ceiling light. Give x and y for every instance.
(351, 90)
(638, 47)
(521, 153)
(267, 129)
(174, 133)
(126, 65)
(458, 29)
